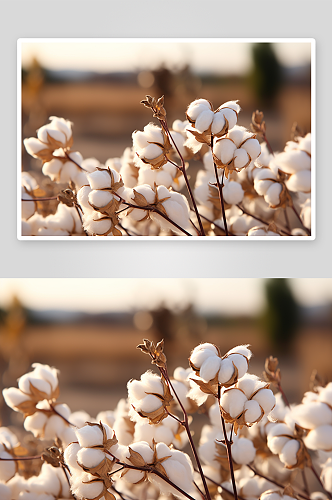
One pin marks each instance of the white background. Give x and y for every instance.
(172, 18)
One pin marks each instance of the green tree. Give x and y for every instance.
(281, 314)
(265, 77)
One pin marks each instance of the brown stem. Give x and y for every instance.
(212, 222)
(320, 482)
(228, 448)
(260, 220)
(284, 397)
(17, 459)
(73, 161)
(59, 415)
(185, 424)
(220, 186)
(41, 199)
(268, 144)
(183, 170)
(305, 483)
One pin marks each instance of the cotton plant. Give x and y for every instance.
(250, 445)
(239, 172)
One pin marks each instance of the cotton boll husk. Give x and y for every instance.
(266, 399)
(301, 181)
(35, 423)
(289, 451)
(149, 403)
(232, 401)
(7, 467)
(312, 415)
(201, 353)
(226, 370)
(90, 457)
(233, 193)
(241, 158)
(197, 107)
(5, 492)
(210, 368)
(243, 451)
(91, 435)
(272, 195)
(100, 198)
(293, 161)
(320, 438)
(224, 149)
(252, 411)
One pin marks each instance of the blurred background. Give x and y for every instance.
(89, 330)
(98, 85)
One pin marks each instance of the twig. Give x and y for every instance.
(228, 447)
(220, 186)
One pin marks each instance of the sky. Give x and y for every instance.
(227, 296)
(127, 55)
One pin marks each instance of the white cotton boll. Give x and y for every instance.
(252, 147)
(146, 191)
(163, 435)
(151, 151)
(90, 164)
(149, 403)
(54, 427)
(218, 122)
(26, 229)
(152, 383)
(95, 225)
(100, 198)
(8, 438)
(47, 130)
(201, 353)
(7, 467)
(35, 423)
(233, 401)
(62, 125)
(83, 489)
(143, 449)
(76, 157)
(5, 492)
(133, 476)
(179, 140)
(224, 149)
(33, 146)
(266, 399)
(208, 162)
(91, 435)
(210, 368)
(90, 457)
(83, 198)
(312, 415)
(146, 176)
(204, 120)
(305, 143)
(230, 116)
(241, 158)
(249, 384)
(293, 161)
(153, 133)
(47, 482)
(52, 168)
(326, 475)
(70, 456)
(136, 389)
(252, 411)
(289, 451)
(240, 362)
(177, 209)
(178, 474)
(68, 171)
(241, 349)
(29, 378)
(233, 193)
(249, 487)
(272, 195)
(271, 495)
(101, 179)
(67, 436)
(320, 438)
(301, 181)
(226, 370)
(238, 134)
(79, 418)
(243, 451)
(259, 231)
(163, 178)
(26, 495)
(197, 107)
(325, 394)
(14, 397)
(276, 443)
(139, 139)
(47, 373)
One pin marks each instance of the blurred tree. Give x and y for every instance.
(266, 75)
(281, 316)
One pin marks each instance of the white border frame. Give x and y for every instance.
(312, 41)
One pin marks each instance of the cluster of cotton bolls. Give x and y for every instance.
(135, 450)
(256, 186)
